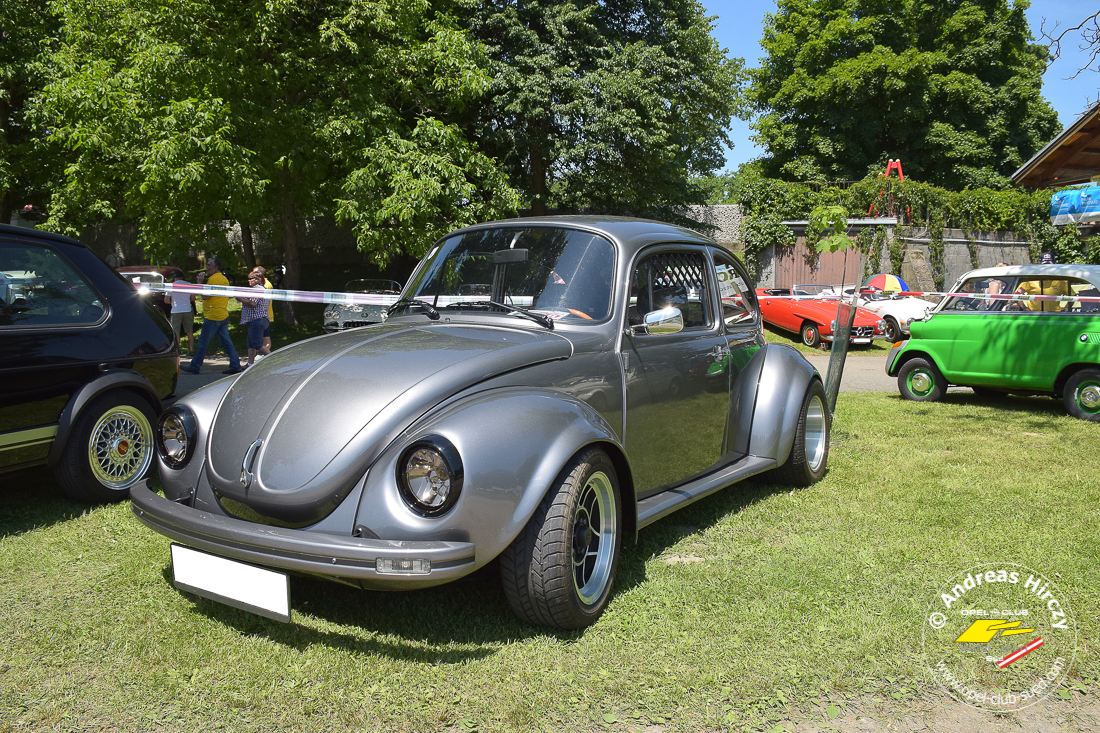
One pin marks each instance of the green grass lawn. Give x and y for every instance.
(878, 347)
(754, 605)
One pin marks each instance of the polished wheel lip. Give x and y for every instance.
(1088, 397)
(814, 433)
(596, 522)
(921, 382)
(127, 426)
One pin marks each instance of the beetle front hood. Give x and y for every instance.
(319, 412)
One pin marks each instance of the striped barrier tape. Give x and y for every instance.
(919, 293)
(314, 296)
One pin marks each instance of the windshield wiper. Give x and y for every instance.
(536, 317)
(432, 312)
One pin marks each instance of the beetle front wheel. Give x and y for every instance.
(559, 570)
(1082, 395)
(811, 334)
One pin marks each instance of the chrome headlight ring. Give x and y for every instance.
(175, 436)
(429, 475)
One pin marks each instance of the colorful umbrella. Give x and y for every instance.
(886, 283)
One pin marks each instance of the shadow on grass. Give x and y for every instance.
(464, 620)
(31, 499)
(1040, 406)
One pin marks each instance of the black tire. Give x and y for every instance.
(810, 453)
(109, 449)
(811, 334)
(543, 580)
(920, 380)
(893, 330)
(1082, 395)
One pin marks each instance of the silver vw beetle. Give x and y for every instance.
(614, 372)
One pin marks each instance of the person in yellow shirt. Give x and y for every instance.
(1044, 287)
(215, 313)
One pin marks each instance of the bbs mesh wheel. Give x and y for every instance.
(109, 449)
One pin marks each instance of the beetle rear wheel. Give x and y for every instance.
(806, 463)
(559, 570)
(1082, 395)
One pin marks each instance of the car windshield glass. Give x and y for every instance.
(566, 275)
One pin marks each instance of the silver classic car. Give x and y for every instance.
(342, 316)
(543, 389)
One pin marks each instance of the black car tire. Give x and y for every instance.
(811, 334)
(543, 580)
(1082, 395)
(893, 330)
(810, 453)
(920, 380)
(109, 449)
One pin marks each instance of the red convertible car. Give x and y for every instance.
(801, 310)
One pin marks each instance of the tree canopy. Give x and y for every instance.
(183, 114)
(606, 105)
(26, 163)
(951, 88)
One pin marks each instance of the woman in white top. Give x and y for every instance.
(181, 313)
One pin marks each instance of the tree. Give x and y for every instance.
(26, 163)
(195, 111)
(1089, 44)
(605, 105)
(951, 88)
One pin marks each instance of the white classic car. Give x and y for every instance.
(897, 310)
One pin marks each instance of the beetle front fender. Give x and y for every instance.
(513, 443)
(784, 379)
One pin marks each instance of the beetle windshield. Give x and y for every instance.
(562, 273)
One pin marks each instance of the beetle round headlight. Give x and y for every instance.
(881, 326)
(832, 326)
(430, 476)
(176, 436)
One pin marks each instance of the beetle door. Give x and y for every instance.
(677, 380)
(740, 315)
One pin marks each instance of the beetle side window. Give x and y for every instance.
(1024, 285)
(671, 280)
(38, 288)
(734, 292)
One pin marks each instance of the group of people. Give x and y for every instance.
(256, 315)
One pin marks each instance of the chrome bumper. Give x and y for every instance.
(303, 551)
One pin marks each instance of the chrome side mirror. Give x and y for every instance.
(661, 323)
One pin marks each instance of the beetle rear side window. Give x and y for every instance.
(38, 288)
(671, 280)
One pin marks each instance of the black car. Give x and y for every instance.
(84, 367)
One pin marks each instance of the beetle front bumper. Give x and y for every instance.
(302, 551)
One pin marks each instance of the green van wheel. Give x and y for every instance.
(1082, 395)
(920, 380)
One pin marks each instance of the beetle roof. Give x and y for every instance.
(629, 234)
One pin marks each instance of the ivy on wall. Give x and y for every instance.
(765, 202)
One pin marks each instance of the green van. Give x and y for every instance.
(1022, 346)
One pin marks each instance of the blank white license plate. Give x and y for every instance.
(247, 587)
(861, 341)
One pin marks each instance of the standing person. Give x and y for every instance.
(254, 316)
(270, 307)
(182, 313)
(215, 312)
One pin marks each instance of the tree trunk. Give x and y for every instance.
(538, 173)
(246, 243)
(290, 248)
